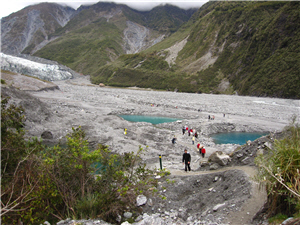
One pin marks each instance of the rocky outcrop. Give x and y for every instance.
(138, 38)
(47, 72)
(32, 25)
(219, 157)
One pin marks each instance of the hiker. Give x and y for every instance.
(174, 140)
(125, 131)
(198, 147)
(183, 130)
(196, 134)
(193, 140)
(203, 151)
(186, 159)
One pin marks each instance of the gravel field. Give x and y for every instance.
(77, 102)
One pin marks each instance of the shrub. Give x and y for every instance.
(279, 171)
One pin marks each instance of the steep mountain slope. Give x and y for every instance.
(100, 33)
(249, 47)
(28, 30)
(254, 45)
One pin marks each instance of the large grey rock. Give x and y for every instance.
(220, 158)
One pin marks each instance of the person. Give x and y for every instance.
(203, 151)
(198, 147)
(174, 140)
(183, 130)
(196, 134)
(186, 159)
(125, 131)
(193, 140)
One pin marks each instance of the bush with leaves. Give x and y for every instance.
(20, 172)
(279, 170)
(53, 183)
(120, 179)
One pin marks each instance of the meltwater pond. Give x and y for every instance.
(148, 119)
(236, 137)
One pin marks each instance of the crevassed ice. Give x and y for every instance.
(47, 72)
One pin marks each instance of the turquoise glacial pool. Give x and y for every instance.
(148, 119)
(240, 138)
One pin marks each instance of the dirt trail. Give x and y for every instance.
(250, 207)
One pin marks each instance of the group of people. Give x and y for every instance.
(189, 131)
(186, 158)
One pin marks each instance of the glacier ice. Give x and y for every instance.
(42, 71)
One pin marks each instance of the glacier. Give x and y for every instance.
(48, 72)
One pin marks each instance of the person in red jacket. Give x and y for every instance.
(198, 147)
(203, 151)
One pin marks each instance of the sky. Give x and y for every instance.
(10, 6)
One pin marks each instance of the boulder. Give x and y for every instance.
(127, 215)
(141, 200)
(216, 207)
(214, 166)
(47, 135)
(219, 157)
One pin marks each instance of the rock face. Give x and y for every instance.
(42, 71)
(138, 38)
(33, 24)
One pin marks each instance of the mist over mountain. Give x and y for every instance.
(248, 48)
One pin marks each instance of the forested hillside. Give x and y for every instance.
(248, 47)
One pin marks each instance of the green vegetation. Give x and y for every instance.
(40, 183)
(252, 47)
(279, 172)
(257, 55)
(90, 41)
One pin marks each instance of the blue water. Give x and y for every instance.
(148, 119)
(236, 137)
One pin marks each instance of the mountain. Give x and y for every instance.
(102, 32)
(28, 30)
(246, 47)
(93, 35)
(250, 48)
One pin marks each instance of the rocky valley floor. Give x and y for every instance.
(226, 195)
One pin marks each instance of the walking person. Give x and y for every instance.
(198, 147)
(193, 140)
(174, 140)
(203, 151)
(186, 159)
(183, 130)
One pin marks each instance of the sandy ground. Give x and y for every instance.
(96, 109)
